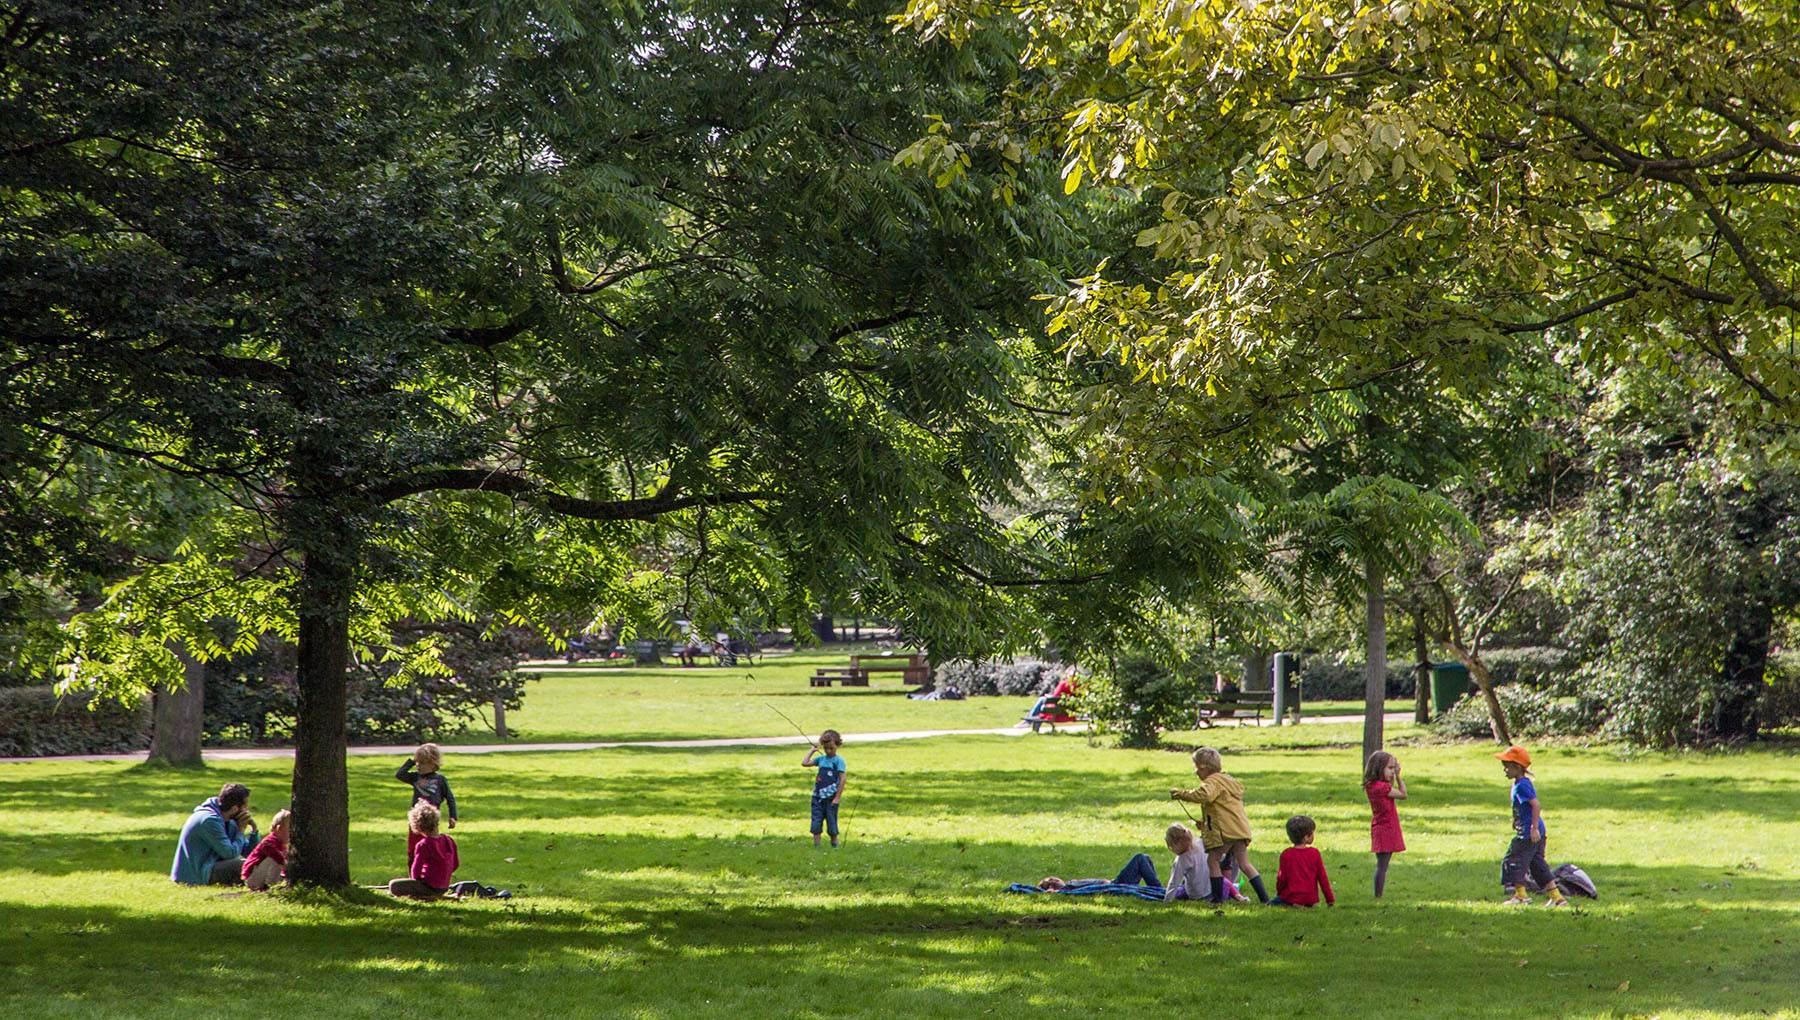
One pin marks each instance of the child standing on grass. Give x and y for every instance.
(267, 864)
(1382, 782)
(1525, 855)
(828, 785)
(432, 858)
(1300, 873)
(1226, 828)
(428, 784)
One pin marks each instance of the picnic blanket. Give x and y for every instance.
(1142, 892)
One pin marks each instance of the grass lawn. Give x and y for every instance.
(587, 702)
(681, 883)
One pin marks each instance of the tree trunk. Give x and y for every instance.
(500, 715)
(1375, 669)
(1483, 679)
(320, 853)
(822, 628)
(178, 719)
(1735, 715)
(1421, 672)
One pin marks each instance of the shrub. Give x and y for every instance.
(1138, 699)
(1530, 712)
(251, 699)
(36, 721)
(1030, 678)
(1534, 666)
(1323, 678)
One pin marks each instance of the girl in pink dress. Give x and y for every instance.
(1382, 782)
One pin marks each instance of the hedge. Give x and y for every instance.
(1031, 678)
(36, 721)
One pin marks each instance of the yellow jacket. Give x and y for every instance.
(1221, 800)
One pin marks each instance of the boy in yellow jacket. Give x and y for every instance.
(1225, 829)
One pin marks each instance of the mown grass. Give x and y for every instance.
(680, 883)
(593, 702)
(598, 703)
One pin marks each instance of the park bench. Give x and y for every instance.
(1234, 705)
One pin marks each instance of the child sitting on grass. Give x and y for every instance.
(1226, 827)
(1300, 873)
(432, 857)
(828, 785)
(428, 784)
(1190, 876)
(267, 864)
(1525, 855)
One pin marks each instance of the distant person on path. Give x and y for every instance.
(828, 785)
(1382, 782)
(267, 864)
(1300, 875)
(215, 838)
(428, 784)
(1525, 855)
(1225, 826)
(431, 858)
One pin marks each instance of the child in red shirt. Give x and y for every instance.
(433, 857)
(267, 864)
(1382, 782)
(1300, 874)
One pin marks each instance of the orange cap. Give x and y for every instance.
(1516, 754)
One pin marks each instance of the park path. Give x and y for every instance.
(394, 750)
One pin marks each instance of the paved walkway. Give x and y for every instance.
(257, 753)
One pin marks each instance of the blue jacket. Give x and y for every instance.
(207, 839)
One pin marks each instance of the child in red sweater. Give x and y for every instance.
(1300, 874)
(433, 857)
(267, 864)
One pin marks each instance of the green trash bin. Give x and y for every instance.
(1449, 682)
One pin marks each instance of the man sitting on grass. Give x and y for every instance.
(215, 839)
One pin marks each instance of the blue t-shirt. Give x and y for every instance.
(1523, 793)
(831, 775)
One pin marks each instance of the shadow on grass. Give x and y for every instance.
(951, 944)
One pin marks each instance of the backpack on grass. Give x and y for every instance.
(1570, 879)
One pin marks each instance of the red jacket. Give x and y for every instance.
(1300, 876)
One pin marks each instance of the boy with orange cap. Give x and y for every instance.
(1525, 855)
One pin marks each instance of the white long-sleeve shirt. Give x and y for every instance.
(1189, 872)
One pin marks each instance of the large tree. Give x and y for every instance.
(512, 307)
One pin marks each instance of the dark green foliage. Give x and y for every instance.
(1529, 713)
(252, 699)
(1533, 665)
(1138, 698)
(38, 721)
(1323, 678)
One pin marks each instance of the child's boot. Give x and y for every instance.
(1261, 893)
(1218, 890)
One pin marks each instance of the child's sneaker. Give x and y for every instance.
(1560, 901)
(1518, 901)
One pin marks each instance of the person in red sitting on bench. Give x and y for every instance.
(433, 857)
(1300, 874)
(1050, 705)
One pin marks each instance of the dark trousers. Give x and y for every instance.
(1140, 870)
(1523, 857)
(229, 872)
(824, 816)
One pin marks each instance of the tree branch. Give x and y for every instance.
(531, 490)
